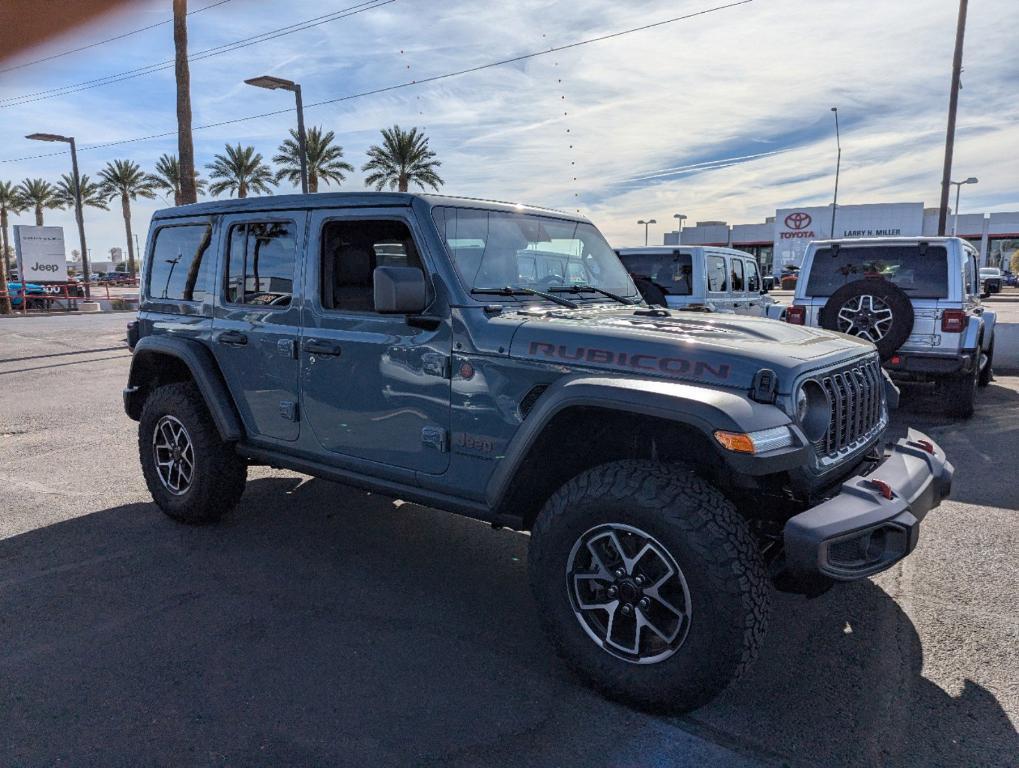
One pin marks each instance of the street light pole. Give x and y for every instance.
(953, 104)
(838, 166)
(646, 224)
(77, 202)
(272, 83)
(680, 218)
(958, 188)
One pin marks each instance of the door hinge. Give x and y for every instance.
(288, 410)
(287, 348)
(435, 437)
(436, 364)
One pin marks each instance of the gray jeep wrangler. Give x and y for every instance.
(496, 361)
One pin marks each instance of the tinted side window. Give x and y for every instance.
(737, 274)
(261, 264)
(753, 277)
(970, 272)
(351, 250)
(716, 274)
(182, 263)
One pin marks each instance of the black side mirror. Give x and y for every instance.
(399, 290)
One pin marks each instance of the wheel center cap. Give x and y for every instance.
(628, 591)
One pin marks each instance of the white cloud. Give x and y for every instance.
(751, 80)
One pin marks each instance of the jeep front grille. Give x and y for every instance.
(856, 394)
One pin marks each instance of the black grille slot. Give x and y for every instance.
(856, 394)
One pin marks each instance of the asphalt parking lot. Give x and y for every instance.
(320, 625)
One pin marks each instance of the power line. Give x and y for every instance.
(272, 34)
(408, 84)
(107, 40)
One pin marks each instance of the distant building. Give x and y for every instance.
(781, 240)
(116, 255)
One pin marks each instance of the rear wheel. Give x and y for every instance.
(649, 584)
(986, 370)
(192, 474)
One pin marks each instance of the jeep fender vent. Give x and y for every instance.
(530, 399)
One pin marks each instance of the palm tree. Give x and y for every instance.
(167, 177)
(10, 202)
(127, 179)
(325, 159)
(240, 170)
(92, 193)
(403, 159)
(185, 144)
(38, 194)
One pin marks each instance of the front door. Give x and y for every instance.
(374, 387)
(257, 323)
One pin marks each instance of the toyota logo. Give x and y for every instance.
(798, 220)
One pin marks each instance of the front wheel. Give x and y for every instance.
(192, 474)
(649, 584)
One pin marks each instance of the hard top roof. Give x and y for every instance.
(363, 199)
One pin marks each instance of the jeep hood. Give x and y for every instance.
(719, 349)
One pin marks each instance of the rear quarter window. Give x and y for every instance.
(182, 264)
(920, 275)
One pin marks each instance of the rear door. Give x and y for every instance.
(257, 321)
(756, 302)
(716, 269)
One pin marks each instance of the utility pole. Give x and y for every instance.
(838, 166)
(953, 104)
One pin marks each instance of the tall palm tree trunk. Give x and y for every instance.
(38, 214)
(5, 299)
(242, 189)
(403, 182)
(312, 180)
(185, 145)
(125, 204)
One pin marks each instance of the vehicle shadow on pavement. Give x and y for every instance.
(979, 454)
(322, 625)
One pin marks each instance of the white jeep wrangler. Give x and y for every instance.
(916, 298)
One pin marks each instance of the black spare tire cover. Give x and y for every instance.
(872, 309)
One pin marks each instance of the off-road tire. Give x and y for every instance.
(893, 297)
(219, 473)
(958, 393)
(712, 545)
(987, 374)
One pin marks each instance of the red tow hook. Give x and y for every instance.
(927, 445)
(883, 488)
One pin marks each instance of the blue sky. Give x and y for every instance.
(725, 116)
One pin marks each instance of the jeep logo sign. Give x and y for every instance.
(40, 252)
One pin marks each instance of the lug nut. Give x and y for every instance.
(627, 609)
(639, 580)
(620, 573)
(612, 591)
(644, 603)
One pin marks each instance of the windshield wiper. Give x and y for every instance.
(518, 290)
(583, 288)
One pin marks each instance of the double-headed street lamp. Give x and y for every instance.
(646, 225)
(272, 83)
(958, 187)
(77, 201)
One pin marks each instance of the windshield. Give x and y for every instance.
(919, 275)
(495, 249)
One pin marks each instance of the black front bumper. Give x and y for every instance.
(874, 521)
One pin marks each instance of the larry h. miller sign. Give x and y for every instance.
(40, 253)
(796, 227)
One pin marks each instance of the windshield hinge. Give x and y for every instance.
(765, 386)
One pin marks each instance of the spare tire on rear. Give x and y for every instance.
(873, 309)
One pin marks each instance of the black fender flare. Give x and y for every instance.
(204, 371)
(701, 408)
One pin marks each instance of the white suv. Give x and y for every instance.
(722, 279)
(916, 299)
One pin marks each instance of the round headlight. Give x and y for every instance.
(813, 410)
